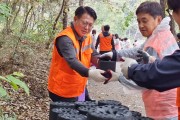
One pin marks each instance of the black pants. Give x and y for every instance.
(102, 52)
(56, 98)
(87, 97)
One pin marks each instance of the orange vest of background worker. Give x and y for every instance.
(105, 41)
(63, 80)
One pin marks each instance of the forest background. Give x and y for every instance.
(27, 30)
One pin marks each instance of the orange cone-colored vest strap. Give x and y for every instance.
(63, 80)
(105, 42)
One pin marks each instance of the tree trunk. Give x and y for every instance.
(54, 25)
(7, 30)
(42, 10)
(172, 24)
(24, 26)
(81, 2)
(16, 14)
(57, 18)
(163, 5)
(31, 20)
(65, 13)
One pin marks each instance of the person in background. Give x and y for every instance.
(117, 42)
(102, 30)
(71, 58)
(135, 44)
(121, 42)
(94, 37)
(105, 40)
(127, 43)
(160, 42)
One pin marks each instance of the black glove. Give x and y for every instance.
(106, 56)
(143, 57)
(108, 75)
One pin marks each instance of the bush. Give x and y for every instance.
(14, 81)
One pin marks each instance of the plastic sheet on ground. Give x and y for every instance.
(130, 87)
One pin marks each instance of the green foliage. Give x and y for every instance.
(128, 19)
(119, 14)
(2, 92)
(40, 33)
(4, 11)
(44, 29)
(14, 81)
(41, 1)
(7, 117)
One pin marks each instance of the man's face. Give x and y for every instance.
(176, 16)
(84, 24)
(147, 23)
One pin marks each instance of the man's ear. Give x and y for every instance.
(75, 18)
(159, 19)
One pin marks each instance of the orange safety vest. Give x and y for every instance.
(161, 105)
(105, 42)
(63, 80)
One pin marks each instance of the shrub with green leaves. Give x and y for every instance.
(4, 11)
(7, 117)
(14, 81)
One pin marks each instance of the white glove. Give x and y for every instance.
(127, 63)
(115, 76)
(151, 59)
(107, 56)
(96, 75)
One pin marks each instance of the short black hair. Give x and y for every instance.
(178, 35)
(116, 35)
(174, 5)
(81, 10)
(106, 28)
(125, 38)
(93, 31)
(152, 8)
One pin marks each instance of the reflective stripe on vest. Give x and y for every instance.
(161, 105)
(86, 47)
(64, 81)
(105, 42)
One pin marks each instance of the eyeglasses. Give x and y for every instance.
(85, 23)
(169, 11)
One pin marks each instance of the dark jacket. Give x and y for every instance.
(161, 75)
